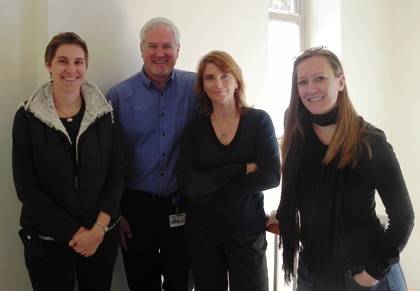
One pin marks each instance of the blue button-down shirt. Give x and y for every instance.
(152, 121)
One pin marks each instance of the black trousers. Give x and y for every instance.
(60, 266)
(155, 249)
(219, 259)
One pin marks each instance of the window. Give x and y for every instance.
(289, 7)
(285, 40)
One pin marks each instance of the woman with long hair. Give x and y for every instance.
(333, 162)
(228, 156)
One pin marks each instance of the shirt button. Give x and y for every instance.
(162, 114)
(163, 154)
(163, 134)
(162, 174)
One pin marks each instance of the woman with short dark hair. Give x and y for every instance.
(68, 173)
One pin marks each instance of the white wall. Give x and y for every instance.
(323, 24)
(366, 59)
(18, 79)
(403, 113)
(111, 30)
(380, 48)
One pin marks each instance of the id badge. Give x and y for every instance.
(177, 219)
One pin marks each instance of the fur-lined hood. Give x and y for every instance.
(41, 105)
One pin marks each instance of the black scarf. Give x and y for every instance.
(325, 119)
(323, 250)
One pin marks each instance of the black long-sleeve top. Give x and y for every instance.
(212, 176)
(366, 244)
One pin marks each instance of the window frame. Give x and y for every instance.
(299, 18)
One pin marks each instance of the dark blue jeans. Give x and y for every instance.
(393, 281)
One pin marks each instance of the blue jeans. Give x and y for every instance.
(393, 281)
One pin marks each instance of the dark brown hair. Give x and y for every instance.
(64, 38)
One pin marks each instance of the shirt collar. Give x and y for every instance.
(148, 83)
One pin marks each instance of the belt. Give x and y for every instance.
(151, 195)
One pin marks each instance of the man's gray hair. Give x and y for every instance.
(159, 21)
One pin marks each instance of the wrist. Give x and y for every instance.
(102, 226)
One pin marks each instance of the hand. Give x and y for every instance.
(271, 223)
(86, 242)
(365, 280)
(125, 233)
(271, 219)
(251, 167)
(79, 231)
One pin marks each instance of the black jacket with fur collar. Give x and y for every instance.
(57, 199)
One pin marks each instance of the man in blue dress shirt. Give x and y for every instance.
(153, 106)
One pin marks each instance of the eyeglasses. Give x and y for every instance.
(314, 49)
